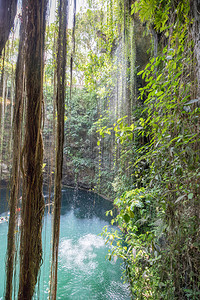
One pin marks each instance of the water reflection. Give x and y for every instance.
(85, 204)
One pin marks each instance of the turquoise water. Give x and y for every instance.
(83, 271)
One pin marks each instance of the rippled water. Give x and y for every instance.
(83, 271)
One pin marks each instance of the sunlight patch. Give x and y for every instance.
(80, 254)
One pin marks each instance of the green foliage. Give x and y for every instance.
(81, 141)
(97, 33)
(159, 239)
(135, 243)
(161, 14)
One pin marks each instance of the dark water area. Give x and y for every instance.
(83, 271)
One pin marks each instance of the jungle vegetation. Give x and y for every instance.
(108, 102)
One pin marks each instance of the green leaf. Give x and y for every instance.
(139, 73)
(190, 196)
(191, 102)
(131, 213)
(126, 218)
(179, 198)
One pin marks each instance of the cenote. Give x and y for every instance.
(83, 271)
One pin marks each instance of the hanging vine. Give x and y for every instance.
(60, 104)
(32, 200)
(14, 194)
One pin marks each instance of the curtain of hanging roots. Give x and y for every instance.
(32, 200)
(73, 47)
(52, 144)
(8, 10)
(17, 121)
(1, 107)
(60, 103)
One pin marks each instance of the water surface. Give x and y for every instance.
(83, 271)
